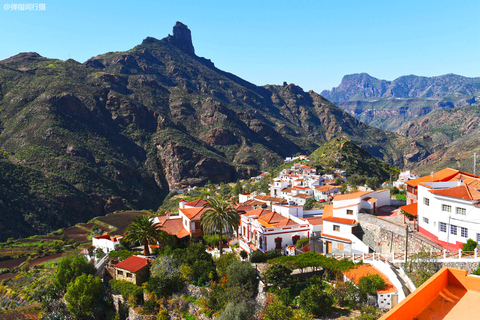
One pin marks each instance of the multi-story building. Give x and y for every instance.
(340, 220)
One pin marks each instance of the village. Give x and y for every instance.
(439, 216)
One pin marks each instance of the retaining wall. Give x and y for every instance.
(386, 237)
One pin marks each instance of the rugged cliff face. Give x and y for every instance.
(122, 129)
(452, 135)
(390, 104)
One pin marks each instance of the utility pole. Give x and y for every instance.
(474, 163)
(406, 244)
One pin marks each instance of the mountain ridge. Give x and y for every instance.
(125, 128)
(390, 104)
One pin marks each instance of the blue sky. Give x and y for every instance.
(309, 43)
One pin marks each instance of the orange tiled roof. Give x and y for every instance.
(335, 237)
(303, 196)
(196, 203)
(461, 192)
(243, 208)
(340, 220)
(270, 219)
(442, 175)
(365, 270)
(411, 209)
(133, 263)
(193, 213)
(316, 221)
(253, 202)
(327, 211)
(325, 188)
(174, 227)
(350, 196)
(268, 198)
(298, 188)
(369, 199)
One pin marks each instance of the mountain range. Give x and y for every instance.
(391, 104)
(124, 128)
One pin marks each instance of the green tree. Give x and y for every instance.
(470, 245)
(315, 300)
(277, 310)
(220, 217)
(224, 262)
(309, 204)
(371, 283)
(237, 189)
(242, 274)
(279, 275)
(84, 295)
(143, 230)
(70, 268)
(237, 311)
(373, 183)
(356, 180)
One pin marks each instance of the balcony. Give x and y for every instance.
(196, 233)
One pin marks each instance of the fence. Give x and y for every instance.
(395, 257)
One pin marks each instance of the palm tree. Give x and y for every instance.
(143, 229)
(219, 217)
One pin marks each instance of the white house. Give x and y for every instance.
(448, 212)
(340, 220)
(106, 242)
(324, 192)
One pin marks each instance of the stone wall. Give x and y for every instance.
(383, 236)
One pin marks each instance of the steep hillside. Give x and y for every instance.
(390, 104)
(343, 153)
(124, 128)
(453, 135)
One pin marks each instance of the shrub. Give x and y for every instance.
(84, 295)
(315, 300)
(237, 311)
(224, 261)
(346, 294)
(277, 310)
(242, 275)
(371, 283)
(272, 254)
(470, 245)
(127, 290)
(69, 268)
(243, 254)
(278, 275)
(369, 313)
(257, 256)
(302, 242)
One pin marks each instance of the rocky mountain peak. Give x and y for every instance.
(23, 56)
(182, 38)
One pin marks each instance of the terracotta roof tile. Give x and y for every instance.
(350, 196)
(461, 192)
(193, 213)
(442, 175)
(365, 270)
(411, 209)
(335, 237)
(133, 263)
(340, 220)
(315, 221)
(196, 203)
(174, 227)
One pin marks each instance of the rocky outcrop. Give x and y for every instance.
(182, 38)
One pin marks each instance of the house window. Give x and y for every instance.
(340, 246)
(129, 275)
(464, 232)
(295, 239)
(461, 211)
(349, 211)
(446, 208)
(336, 227)
(478, 237)
(426, 201)
(120, 272)
(278, 243)
(453, 229)
(425, 219)
(443, 227)
(260, 241)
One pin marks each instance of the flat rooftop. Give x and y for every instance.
(449, 294)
